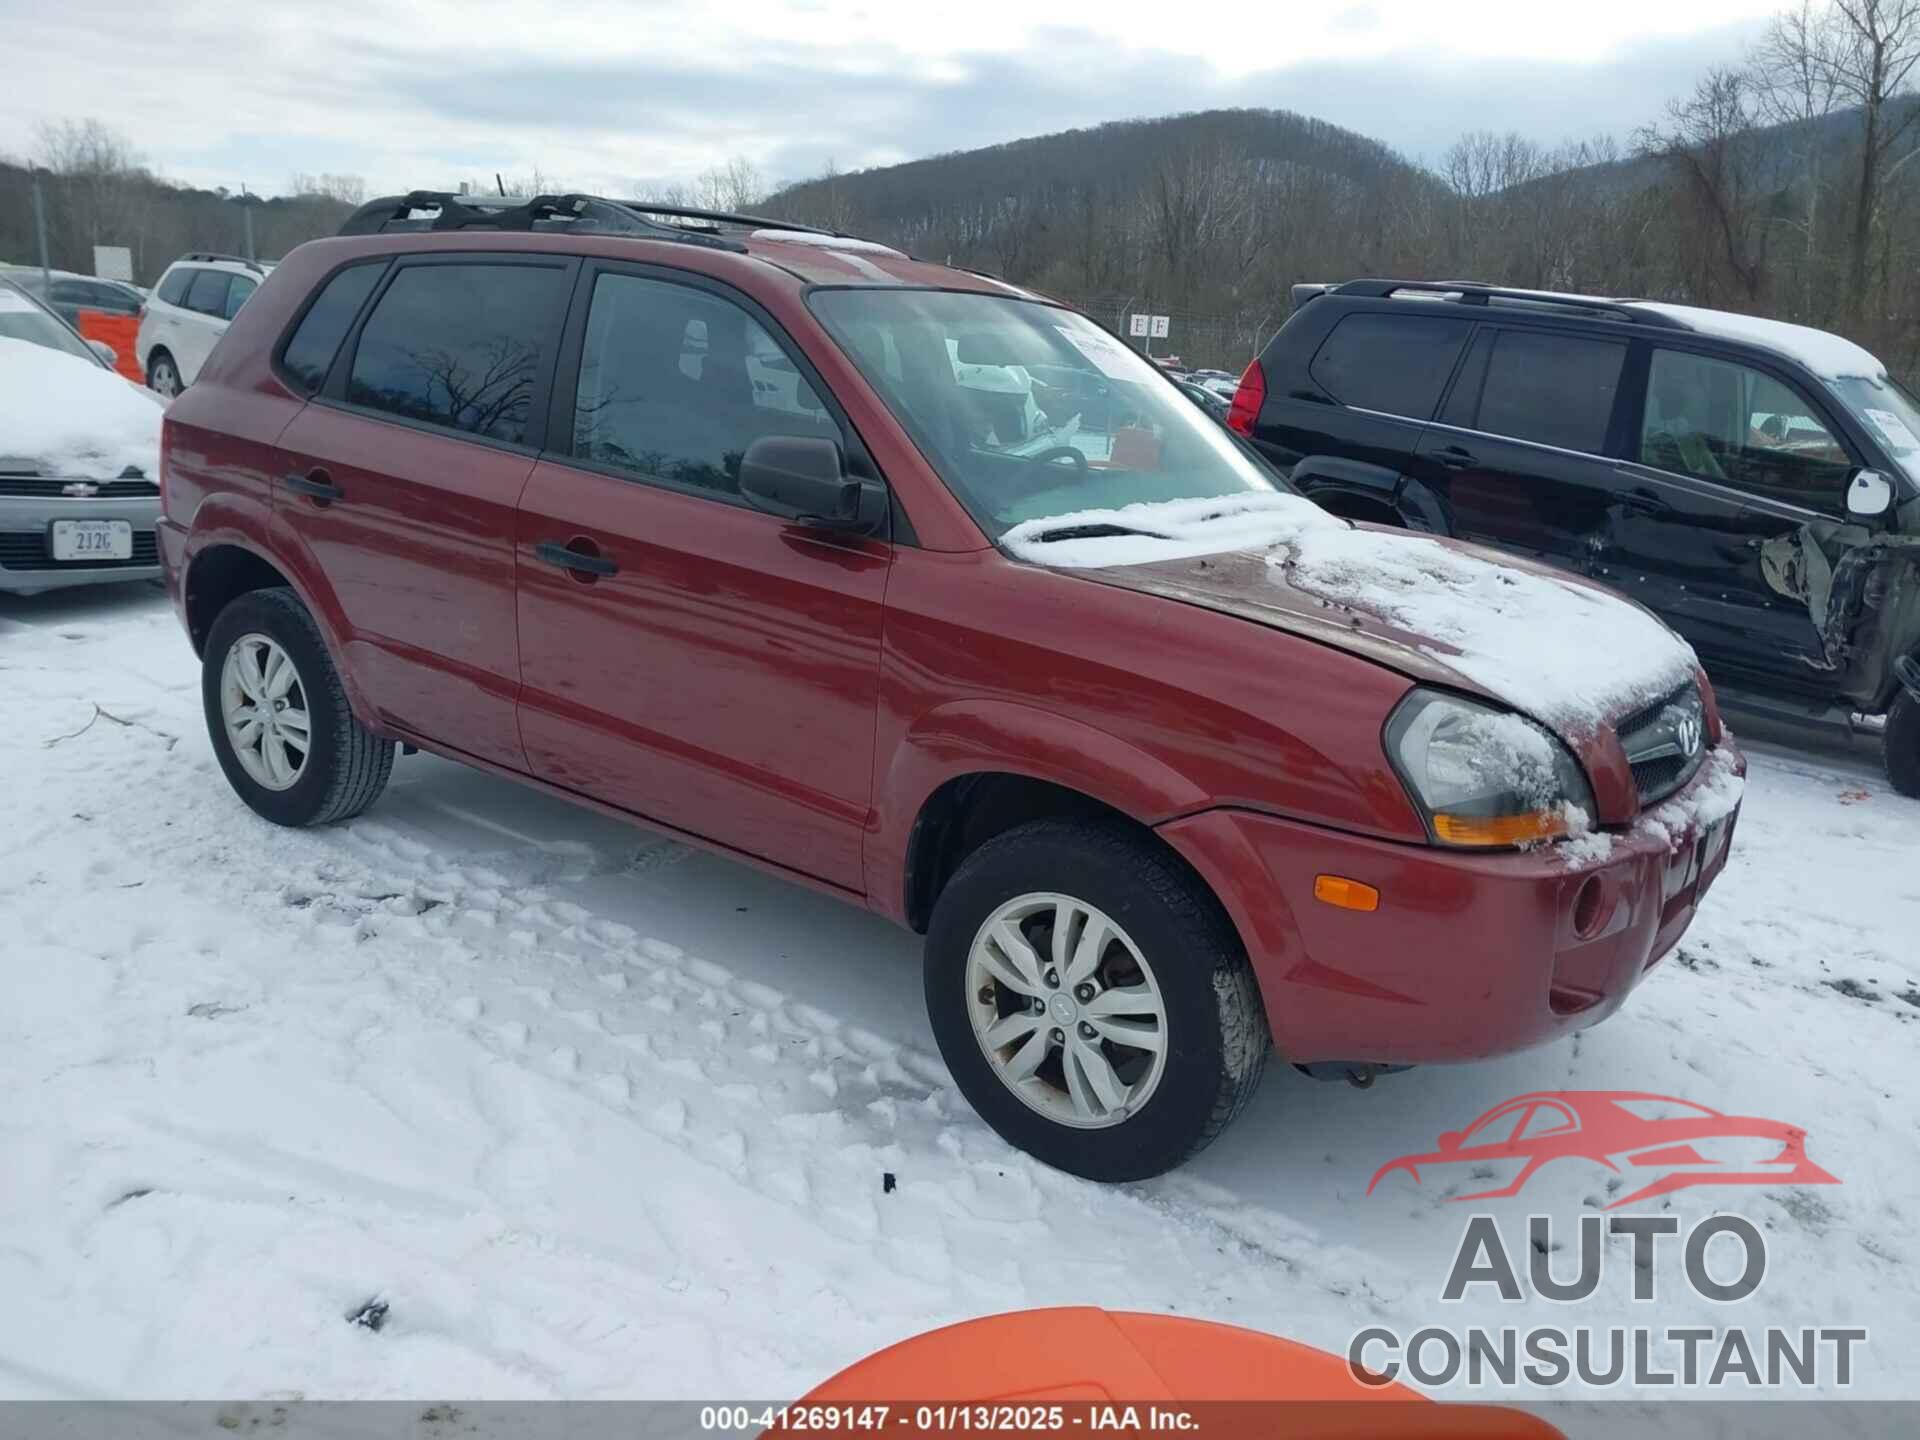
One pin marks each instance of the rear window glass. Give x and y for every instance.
(1551, 389)
(1394, 363)
(173, 289)
(461, 346)
(309, 354)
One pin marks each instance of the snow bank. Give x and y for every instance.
(1828, 356)
(1567, 654)
(74, 418)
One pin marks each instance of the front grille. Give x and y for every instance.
(35, 487)
(1665, 743)
(31, 550)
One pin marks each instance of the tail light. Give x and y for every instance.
(1247, 399)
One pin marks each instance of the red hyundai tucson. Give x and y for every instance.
(924, 591)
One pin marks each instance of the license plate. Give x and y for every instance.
(86, 540)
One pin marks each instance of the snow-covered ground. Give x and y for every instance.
(596, 1115)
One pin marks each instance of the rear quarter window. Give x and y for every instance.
(316, 340)
(173, 289)
(1398, 364)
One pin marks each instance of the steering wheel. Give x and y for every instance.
(1058, 452)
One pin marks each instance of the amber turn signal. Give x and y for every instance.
(1345, 893)
(1528, 829)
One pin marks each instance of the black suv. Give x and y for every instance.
(1754, 483)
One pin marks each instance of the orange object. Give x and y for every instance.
(1084, 1356)
(1502, 830)
(1345, 893)
(122, 332)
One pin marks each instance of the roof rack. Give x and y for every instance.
(1474, 292)
(725, 217)
(205, 255)
(440, 210)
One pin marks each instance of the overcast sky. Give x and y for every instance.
(614, 94)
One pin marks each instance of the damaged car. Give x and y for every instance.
(1756, 484)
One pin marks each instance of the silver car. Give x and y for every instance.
(59, 524)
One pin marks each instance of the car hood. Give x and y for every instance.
(69, 418)
(1553, 646)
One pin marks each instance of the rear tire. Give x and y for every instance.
(1172, 969)
(163, 374)
(279, 719)
(1902, 739)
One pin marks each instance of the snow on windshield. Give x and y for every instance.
(1567, 654)
(72, 417)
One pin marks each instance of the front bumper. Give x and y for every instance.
(27, 565)
(1470, 954)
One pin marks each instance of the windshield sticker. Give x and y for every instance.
(1892, 429)
(1113, 359)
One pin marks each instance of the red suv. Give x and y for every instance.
(922, 590)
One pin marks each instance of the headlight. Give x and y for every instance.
(1486, 777)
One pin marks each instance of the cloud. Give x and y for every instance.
(219, 94)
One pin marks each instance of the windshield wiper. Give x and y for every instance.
(1104, 530)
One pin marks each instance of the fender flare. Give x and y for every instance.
(235, 525)
(980, 736)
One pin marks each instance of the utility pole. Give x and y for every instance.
(40, 224)
(246, 215)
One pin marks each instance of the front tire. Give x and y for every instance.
(1092, 999)
(1902, 739)
(279, 718)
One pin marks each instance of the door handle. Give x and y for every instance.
(1645, 501)
(315, 486)
(1454, 458)
(568, 558)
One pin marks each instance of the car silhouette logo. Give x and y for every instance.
(80, 490)
(1625, 1131)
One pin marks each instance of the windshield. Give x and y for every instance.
(1028, 411)
(1889, 413)
(21, 319)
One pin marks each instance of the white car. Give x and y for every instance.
(188, 312)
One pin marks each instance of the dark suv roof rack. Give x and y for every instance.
(201, 256)
(1474, 292)
(440, 210)
(724, 217)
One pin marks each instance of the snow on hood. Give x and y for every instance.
(1569, 654)
(73, 418)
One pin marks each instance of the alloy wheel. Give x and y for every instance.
(1067, 1010)
(263, 704)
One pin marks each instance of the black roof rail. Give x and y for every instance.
(446, 211)
(200, 256)
(1474, 292)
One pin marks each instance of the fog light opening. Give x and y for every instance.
(1587, 918)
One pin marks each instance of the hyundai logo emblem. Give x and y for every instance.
(1686, 731)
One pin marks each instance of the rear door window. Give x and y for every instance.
(1398, 364)
(676, 383)
(1725, 422)
(463, 346)
(1549, 388)
(208, 293)
(173, 289)
(309, 354)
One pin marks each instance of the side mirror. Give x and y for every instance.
(804, 479)
(1869, 495)
(105, 351)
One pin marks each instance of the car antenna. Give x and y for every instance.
(501, 184)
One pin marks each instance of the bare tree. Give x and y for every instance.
(1795, 83)
(347, 189)
(1706, 142)
(1877, 48)
(735, 186)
